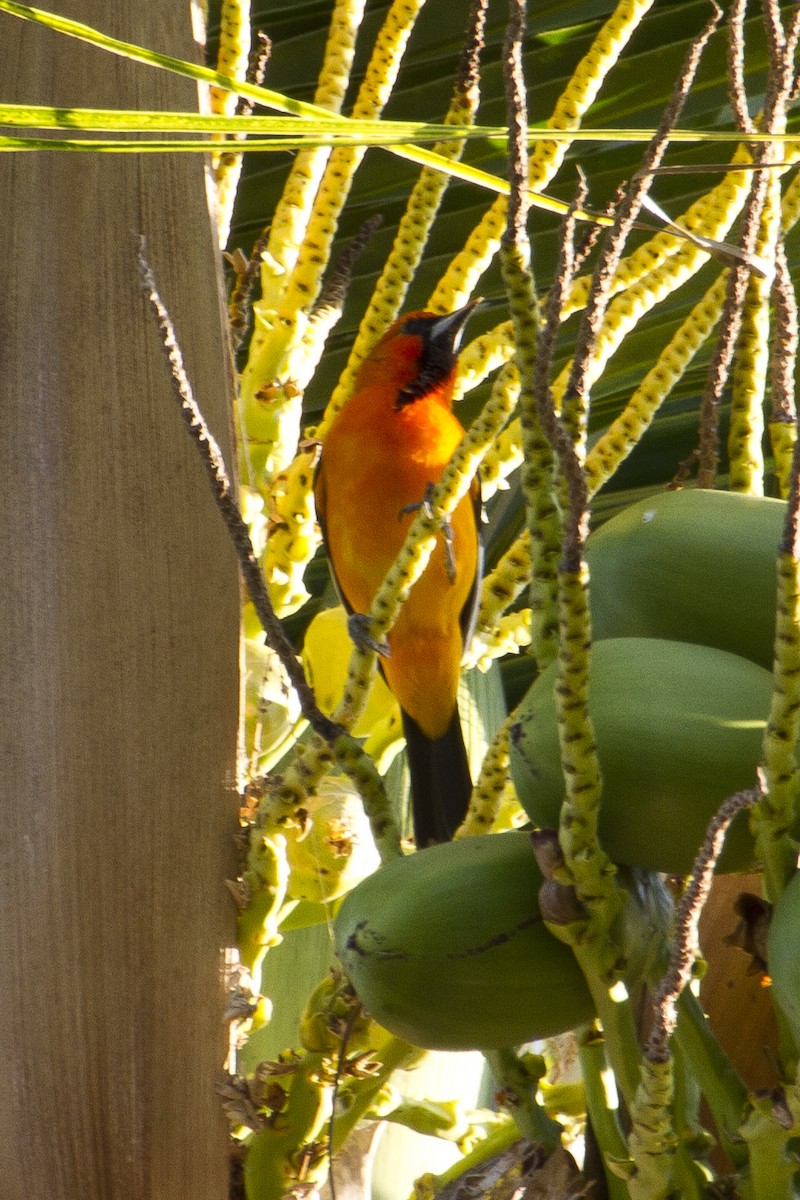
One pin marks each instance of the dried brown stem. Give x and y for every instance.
(687, 917)
(468, 75)
(256, 69)
(737, 92)
(783, 351)
(335, 287)
(780, 82)
(773, 24)
(518, 202)
(577, 519)
(239, 305)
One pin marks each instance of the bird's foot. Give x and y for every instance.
(424, 504)
(359, 626)
(446, 527)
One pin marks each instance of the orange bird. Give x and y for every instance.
(385, 449)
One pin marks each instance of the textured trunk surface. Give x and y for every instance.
(118, 649)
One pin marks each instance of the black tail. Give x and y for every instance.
(440, 781)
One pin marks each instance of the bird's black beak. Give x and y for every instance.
(448, 330)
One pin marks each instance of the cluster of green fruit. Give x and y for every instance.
(447, 947)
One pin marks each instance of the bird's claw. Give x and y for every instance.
(424, 503)
(447, 528)
(449, 551)
(359, 626)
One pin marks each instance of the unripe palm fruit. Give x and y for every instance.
(678, 729)
(693, 565)
(447, 947)
(783, 954)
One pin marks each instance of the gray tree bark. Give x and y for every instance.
(119, 609)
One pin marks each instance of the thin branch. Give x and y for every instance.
(468, 74)
(577, 519)
(737, 92)
(239, 305)
(219, 479)
(687, 916)
(780, 82)
(783, 357)
(334, 289)
(613, 247)
(514, 77)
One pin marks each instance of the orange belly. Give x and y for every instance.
(362, 488)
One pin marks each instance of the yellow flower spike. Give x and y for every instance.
(624, 312)
(232, 60)
(464, 271)
(494, 805)
(293, 537)
(483, 355)
(711, 216)
(251, 505)
(293, 211)
(303, 286)
(502, 460)
(628, 307)
(774, 814)
(626, 430)
(280, 349)
(327, 649)
(234, 49)
(502, 585)
(509, 635)
(270, 394)
(582, 89)
(406, 253)
(782, 437)
(751, 366)
(270, 401)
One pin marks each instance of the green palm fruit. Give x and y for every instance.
(693, 565)
(783, 954)
(447, 947)
(678, 729)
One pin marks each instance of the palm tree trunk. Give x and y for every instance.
(118, 650)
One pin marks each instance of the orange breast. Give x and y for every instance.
(375, 464)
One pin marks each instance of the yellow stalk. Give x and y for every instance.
(625, 432)
(232, 60)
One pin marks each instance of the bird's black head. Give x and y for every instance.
(440, 337)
